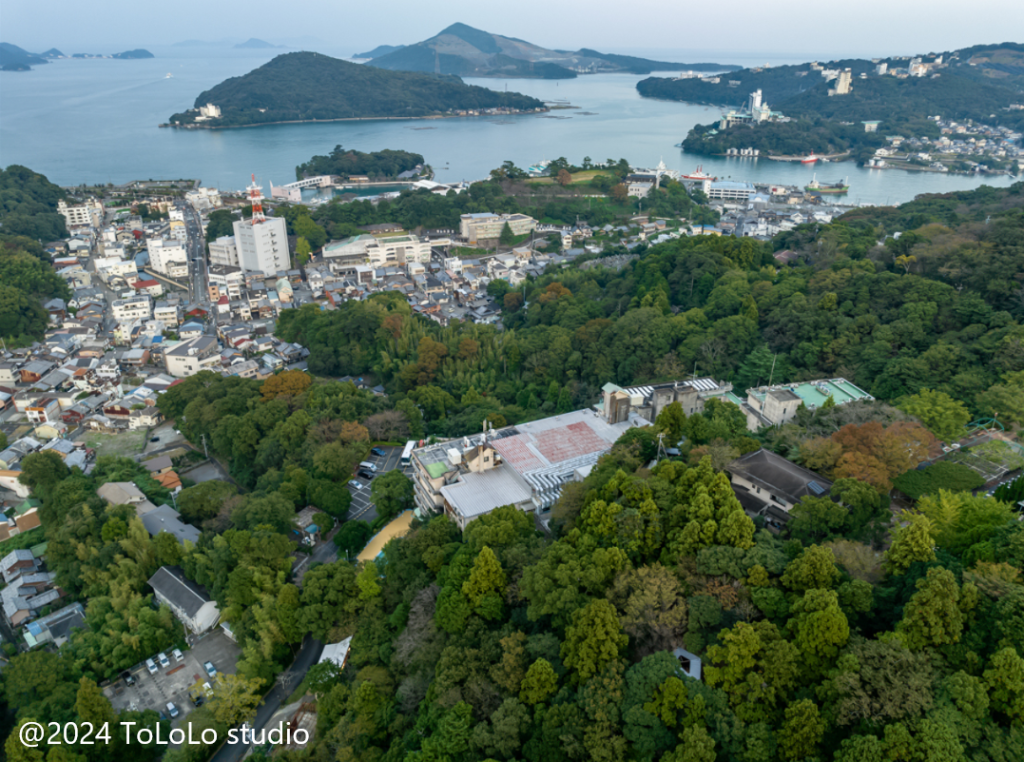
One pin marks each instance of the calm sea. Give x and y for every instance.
(91, 121)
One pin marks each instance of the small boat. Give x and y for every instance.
(817, 187)
(809, 159)
(700, 174)
(169, 76)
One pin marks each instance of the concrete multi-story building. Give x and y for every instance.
(844, 83)
(777, 404)
(485, 226)
(224, 252)
(263, 246)
(618, 404)
(165, 253)
(90, 213)
(225, 280)
(525, 465)
(376, 251)
(136, 308)
(190, 357)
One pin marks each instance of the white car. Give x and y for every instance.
(151, 666)
(172, 709)
(354, 484)
(164, 661)
(178, 655)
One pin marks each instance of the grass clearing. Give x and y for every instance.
(578, 177)
(123, 444)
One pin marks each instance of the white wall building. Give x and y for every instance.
(224, 252)
(163, 252)
(262, 247)
(136, 308)
(89, 213)
(190, 357)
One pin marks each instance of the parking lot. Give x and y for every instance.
(172, 684)
(165, 436)
(362, 508)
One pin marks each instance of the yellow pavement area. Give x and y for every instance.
(399, 527)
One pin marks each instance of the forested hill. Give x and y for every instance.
(939, 308)
(310, 86)
(971, 84)
(28, 215)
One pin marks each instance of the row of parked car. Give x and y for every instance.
(161, 658)
(367, 470)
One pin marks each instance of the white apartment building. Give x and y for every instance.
(136, 308)
(224, 252)
(115, 266)
(89, 213)
(163, 252)
(263, 247)
(485, 226)
(190, 357)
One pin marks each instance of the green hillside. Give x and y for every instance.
(298, 87)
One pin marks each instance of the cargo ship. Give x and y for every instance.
(817, 187)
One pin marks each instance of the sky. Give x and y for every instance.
(784, 30)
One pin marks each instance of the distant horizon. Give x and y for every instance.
(751, 32)
(725, 56)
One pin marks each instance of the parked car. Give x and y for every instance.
(164, 661)
(154, 439)
(178, 655)
(172, 709)
(210, 669)
(366, 475)
(128, 677)
(378, 452)
(151, 666)
(354, 484)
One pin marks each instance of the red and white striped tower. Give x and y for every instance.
(256, 197)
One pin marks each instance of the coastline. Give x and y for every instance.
(344, 119)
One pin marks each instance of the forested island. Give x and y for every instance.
(377, 164)
(305, 87)
(468, 52)
(134, 54)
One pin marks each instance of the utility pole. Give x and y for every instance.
(205, 451)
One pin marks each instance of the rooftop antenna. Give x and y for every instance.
(256, 197)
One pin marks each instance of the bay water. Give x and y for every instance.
(96, 121)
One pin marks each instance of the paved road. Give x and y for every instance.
(309, 654)
(196, 250)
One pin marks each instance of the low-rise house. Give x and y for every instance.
(768, 485)
(57, 627)
(189, 601)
